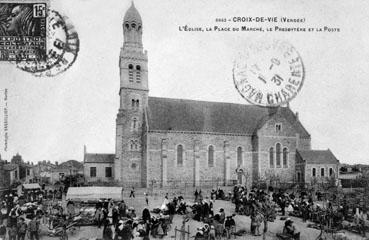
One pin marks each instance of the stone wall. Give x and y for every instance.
(100, 172)
(318, 167)
(128, 162)
(268, 137)
(163, 146)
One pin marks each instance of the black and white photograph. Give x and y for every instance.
(184, 119)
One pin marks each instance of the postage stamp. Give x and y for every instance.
(23, 30)
(63, 47)
(268, 73)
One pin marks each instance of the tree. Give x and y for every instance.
(272, 178)
(259, 181)
(267, 210)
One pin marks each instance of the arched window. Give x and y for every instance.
(322, 172)
(130, 72)
(138, 73)
(271, 157)
(285, 157)
(134, 124)
(313, 172)
(278, 154)
(135, 104)
(211, 156)
(136, 145)
(131, 145)
(133, 25)
(179, 155)
(127, 26)
(331, 172)
(239, 157)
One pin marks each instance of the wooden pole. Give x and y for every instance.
(188, 235)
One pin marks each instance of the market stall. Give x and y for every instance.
(84, 199)
(90, 194)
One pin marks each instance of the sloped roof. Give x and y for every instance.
(99, 158)
(132, 15)
(318, 156)
(215, 117)
(10, 166)
(69, 163)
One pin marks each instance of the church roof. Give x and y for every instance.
(99, 158)
(132, 15)
(212, 117)
(318, 156)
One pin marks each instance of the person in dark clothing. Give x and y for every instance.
(122, 209)
(206, 210)
(290, 230)
(132, 194)
(221, 215)
(230, 226)
(127, 231)
(146, 216)
(146, 233)
(146, 199)
(196, 195)
(282, 204)
(171, 211)
(107, 232)
(22, 229)
(115, 216)
(2, 231)
(119, 231)
(33, 227)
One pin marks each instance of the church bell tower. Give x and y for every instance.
(133, 94)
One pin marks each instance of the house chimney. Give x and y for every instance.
(56, 163)
(297, 115)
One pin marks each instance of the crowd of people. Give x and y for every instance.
(122, 223)
(22, 216)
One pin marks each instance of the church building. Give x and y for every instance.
(164, 141)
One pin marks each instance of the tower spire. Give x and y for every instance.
(132, 27)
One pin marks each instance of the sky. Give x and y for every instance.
(52, 118)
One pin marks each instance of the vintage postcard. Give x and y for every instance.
(172, 119)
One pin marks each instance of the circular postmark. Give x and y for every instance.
(62, 48)
(269, 73)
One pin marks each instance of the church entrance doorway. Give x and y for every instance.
(239, 172)
(240, 178)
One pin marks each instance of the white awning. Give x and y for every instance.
(94, 193)
(30, 186)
